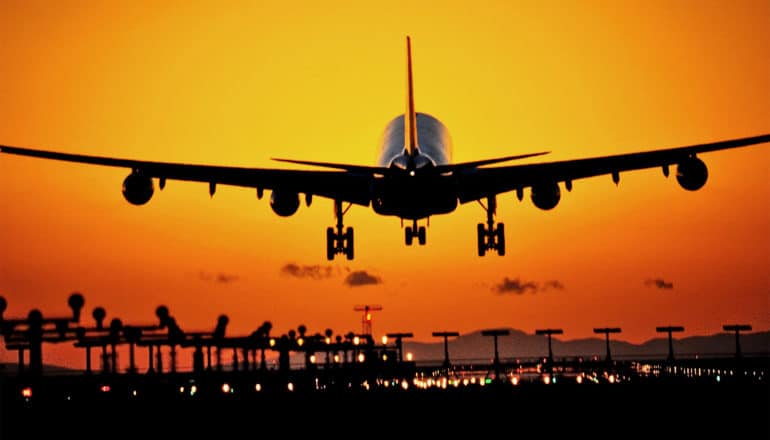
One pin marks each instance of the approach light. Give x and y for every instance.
(26, 392)
(409, 357)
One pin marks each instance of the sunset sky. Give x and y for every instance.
(231, 83)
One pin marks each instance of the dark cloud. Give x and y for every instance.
(514, 286)
(361, 278)
(660, 283)
(314, 272)
(518, 287)
(221, 277)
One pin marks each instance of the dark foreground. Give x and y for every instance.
(657, 409)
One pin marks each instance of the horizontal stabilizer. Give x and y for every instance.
(478, 163)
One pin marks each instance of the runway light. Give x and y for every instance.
(361, 357)
(719, 379)
(579, 379)
(226, 388)
(272, 342)
(181, 390)
(312, 358)
(547, 380)
(258, 387)
(356, 340)
(409, 357)
(328, 340)
(514, 380)
(105, 388)
(193, 390)
(336, 359)
(290, 386)
(611, 379)
(300, 342)
(133, 393)
(385, 340)
(405, 384)
(384, 357)
(26, 392)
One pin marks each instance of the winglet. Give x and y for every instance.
(410, 117)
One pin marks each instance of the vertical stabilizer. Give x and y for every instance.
(410, 117)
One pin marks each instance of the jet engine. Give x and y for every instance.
(284, 203)
(137, 188)
(692, 174)
(546, 195)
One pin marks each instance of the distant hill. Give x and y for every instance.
(474, 346)
(11, 368)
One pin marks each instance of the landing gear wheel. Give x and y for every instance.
(349, 243)
(500, 235)
(408, 237)
(330, 243)
(481, 235)
(421, 235)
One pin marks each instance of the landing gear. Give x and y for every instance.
(489, 237)
(410, 232)
(339, 242)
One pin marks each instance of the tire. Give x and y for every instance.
(421, 235)
(500, 239)
(481, 232)
(349, 243)
(408, 237)
(329, 244)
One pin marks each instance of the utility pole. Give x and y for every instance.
(366, 317)
(670, 330)
(606, 331)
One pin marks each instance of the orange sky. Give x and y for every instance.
(199, 82)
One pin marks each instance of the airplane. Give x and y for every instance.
(413, 179)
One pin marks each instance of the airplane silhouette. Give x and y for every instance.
(413, 179)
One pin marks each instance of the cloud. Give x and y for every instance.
(660, 283)
(314, 272)
(220, 278)
(361, 278)
(516, 286)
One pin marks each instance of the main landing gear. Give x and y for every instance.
(489, 237)
(413, 231)
(339, 242)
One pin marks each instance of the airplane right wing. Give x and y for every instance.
(347, 186)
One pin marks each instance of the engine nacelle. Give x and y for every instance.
(137, 188)
(692, 174)
(284, 203)
(546, 195)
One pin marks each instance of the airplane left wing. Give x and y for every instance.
(477, 183)
(346, 186)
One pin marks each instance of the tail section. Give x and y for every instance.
(410, 117)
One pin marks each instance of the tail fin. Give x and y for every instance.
(410, 117)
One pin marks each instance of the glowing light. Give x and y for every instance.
(384, 357)
(409, 357)
(719, 378)
(300, 342)
(258, 387)
(385, 340)
(312, 358)
(226, 388)
(272, 342)
(361, 357)
(405, 384)
(579, 379)
(465, 382)
(193, 390)
(368, 316)
(328, 340)
(290, 386)
(181, 390)
(356, 340)
(336, 359)
(514, 380)
(105, 388)
(411, 173)
(26, 392)
(547, 380)
(611, 379)
(133, 393)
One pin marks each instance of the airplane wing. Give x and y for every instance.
(347, 186)
(478, 183)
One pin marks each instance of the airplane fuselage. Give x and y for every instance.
(415, 195)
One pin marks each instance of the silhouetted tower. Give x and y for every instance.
(446, 336)
(549, 332)
(737, 328)
(670, 330)
(606, 331)
(366, 317)
(399, 343)
(495, 333)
